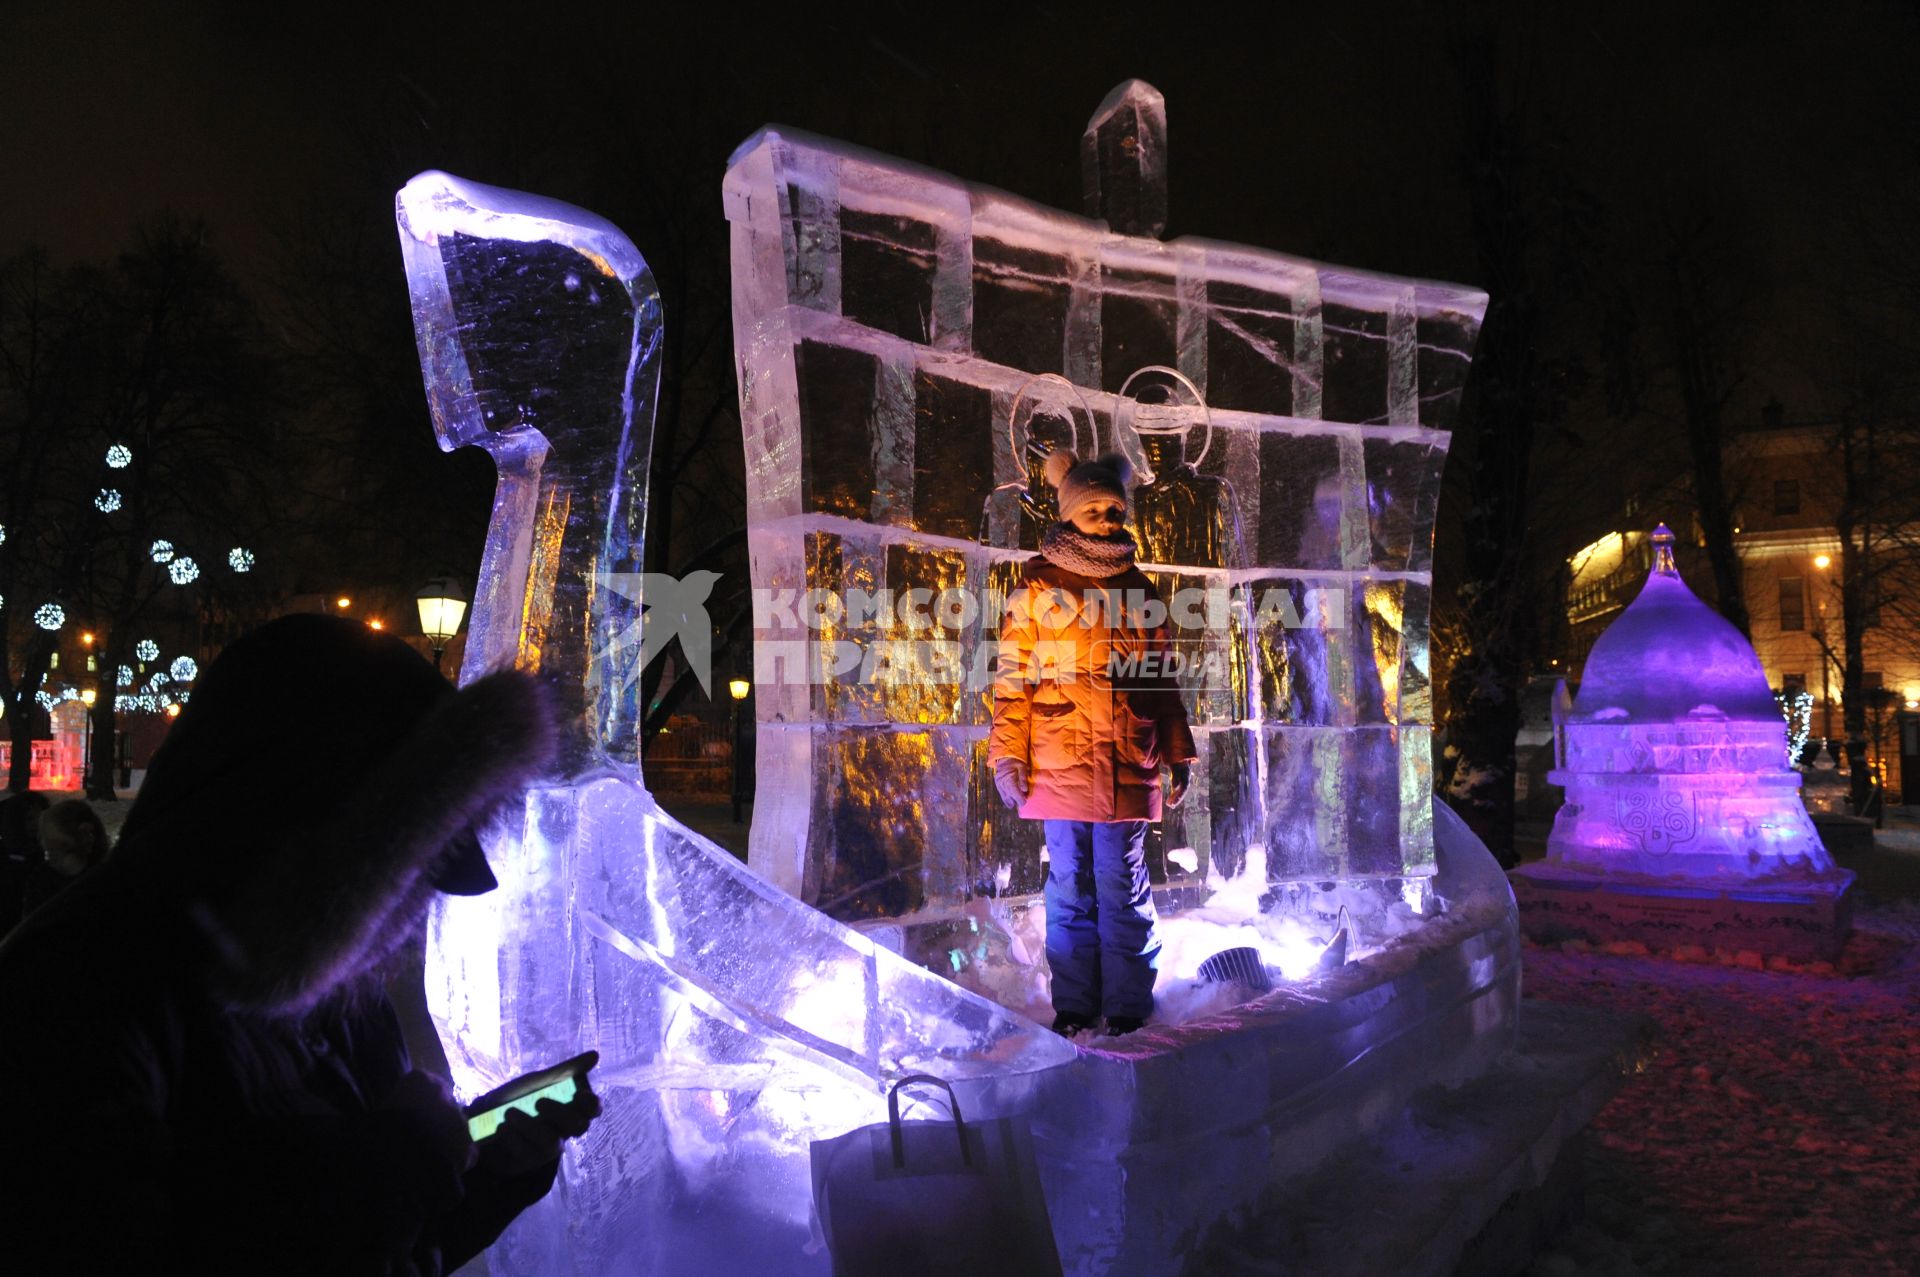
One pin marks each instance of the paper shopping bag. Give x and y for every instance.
(933, 1198)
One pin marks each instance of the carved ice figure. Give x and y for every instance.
(734, 1023)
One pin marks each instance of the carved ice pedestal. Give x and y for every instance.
(1807, 922)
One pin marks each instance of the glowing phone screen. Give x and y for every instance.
(484, 1124)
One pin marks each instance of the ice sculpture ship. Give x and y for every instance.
(907, 343)
(1683, 823)
(887, 317)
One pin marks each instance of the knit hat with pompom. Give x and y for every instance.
(1081, 483)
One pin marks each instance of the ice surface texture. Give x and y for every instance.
(887, 318)
(539, 332)
(1674, 753)
(734, 1023)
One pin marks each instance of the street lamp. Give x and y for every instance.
(442, 603)
(737, 688)
(1879, 701)
(87, 697)
(1821, 563)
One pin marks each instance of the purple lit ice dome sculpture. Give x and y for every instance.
(886, 317)
(1674, 754)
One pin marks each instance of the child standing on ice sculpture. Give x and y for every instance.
(1085, 714)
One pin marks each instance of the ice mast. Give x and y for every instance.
(1683, 822)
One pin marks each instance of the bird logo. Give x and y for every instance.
(668, 607)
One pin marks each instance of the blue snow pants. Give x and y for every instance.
(1101, 943)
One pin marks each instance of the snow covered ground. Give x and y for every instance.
(1776, 1130)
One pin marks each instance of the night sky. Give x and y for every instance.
(1329, 131)
(1308, 128)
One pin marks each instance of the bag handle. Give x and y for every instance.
(893, 1118)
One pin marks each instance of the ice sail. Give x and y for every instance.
(887, 319)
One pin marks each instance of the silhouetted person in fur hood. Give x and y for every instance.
(74, 841)
(201, 1068)
(20, 852)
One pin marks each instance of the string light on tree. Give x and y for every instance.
(161, 552)
(49, 616)
(184, 669)
(119, 457)
(108, 501)
(147, 650)
(1797, 708)
(184, 571)
(123, 677)
(158, 681)
(240, 559)
(45, 700)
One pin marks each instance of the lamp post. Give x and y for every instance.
(442, 603)
(737, 688)
(1821, 563)
(87, 697)
(1879, 701)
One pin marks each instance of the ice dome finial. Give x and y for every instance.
(1663, 551)
(1669, 658)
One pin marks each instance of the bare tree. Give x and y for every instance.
(1534, 231)
(46, 329)
(1875, 444)
(155, 434)
(1708, 275)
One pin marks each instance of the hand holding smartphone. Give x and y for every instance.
(563, 1084)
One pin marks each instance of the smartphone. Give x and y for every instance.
(559, 1084)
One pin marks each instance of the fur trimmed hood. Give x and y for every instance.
(310, 795)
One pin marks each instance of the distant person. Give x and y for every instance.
(20, 853)
(206, 1073)
(1080, 738)
(73, 841)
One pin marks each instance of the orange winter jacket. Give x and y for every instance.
(1076, 702)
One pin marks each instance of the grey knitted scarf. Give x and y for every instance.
(1091, 556)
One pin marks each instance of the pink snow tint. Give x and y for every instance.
(1774, 1131)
